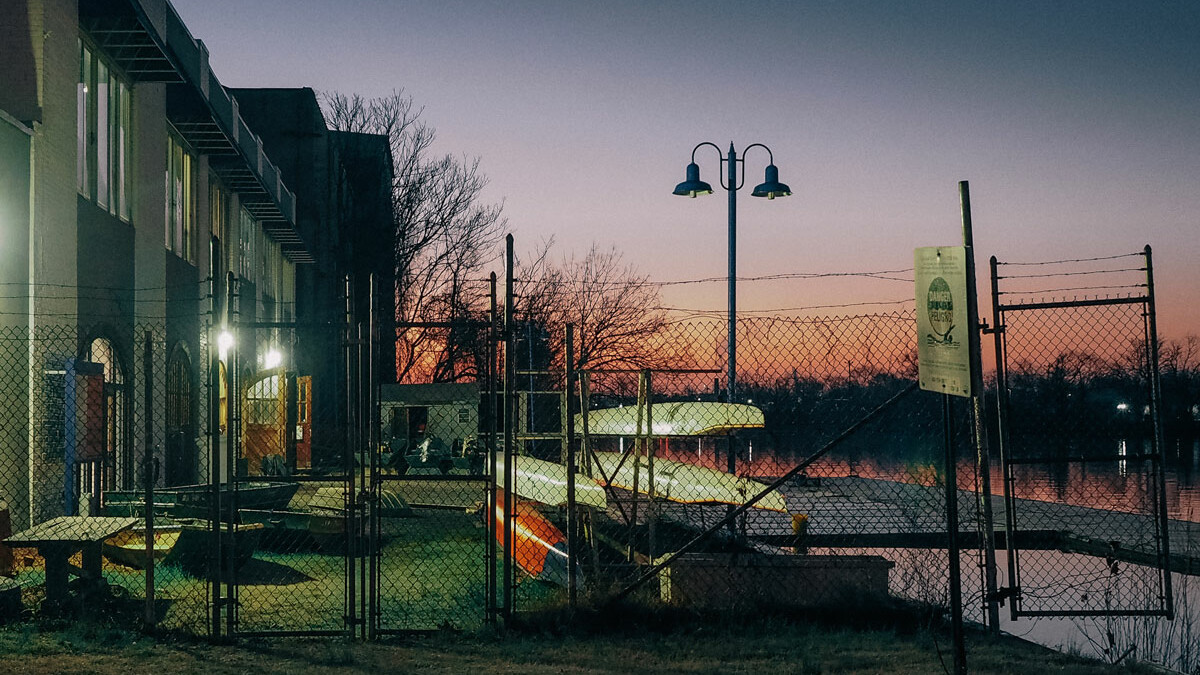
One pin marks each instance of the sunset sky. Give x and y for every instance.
(1076, 123)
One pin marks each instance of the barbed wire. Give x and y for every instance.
(775, 310)
(1073, 260)
(1074, 274)
(1071, 289)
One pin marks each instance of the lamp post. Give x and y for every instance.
(769, 188)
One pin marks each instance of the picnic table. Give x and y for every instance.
(57, 539)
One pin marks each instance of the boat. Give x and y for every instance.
(195, 501)
(321, 523)
(682, 482)
(678, 481)
(128, 547)
(185, 543)
(539, 548)
(194, 548)
(546, 482)
(676, 418)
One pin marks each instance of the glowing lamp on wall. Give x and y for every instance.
(224, 344)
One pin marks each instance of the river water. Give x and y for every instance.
(1118, 485)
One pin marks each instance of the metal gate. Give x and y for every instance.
(431, 494)
(290, 534)
(1080, 437)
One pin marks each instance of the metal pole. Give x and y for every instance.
(956, 620)
(1157, 433)
(731, 383)
(569, 448)
(214, 444)
(1010, 526)
(148, 380)
(490, 447)
(233, 429)
(374, 440)
(509, 374)
(978, 418)
(348, 451)
(648, 448)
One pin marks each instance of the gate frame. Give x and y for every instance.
(376, 479)
(224, 586)
(1157, 477)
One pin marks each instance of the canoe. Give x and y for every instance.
(539, 548)
(678, 418)
(185, 544)
(322, 523)
(293, 530)
(546, 482)
(194, 548)
(686, 483)
(333, 498)
(128, 547)
(195, 501)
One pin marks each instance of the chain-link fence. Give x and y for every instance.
(824, 480)
(291, 493)
(92, 417)
(1081, 405)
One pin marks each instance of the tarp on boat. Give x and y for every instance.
(677, 418)
(687, 483)
(546, 482)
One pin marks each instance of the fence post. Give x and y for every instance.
(490, 446)
(978, 418)
(148, 382)
(372, 486)
(569, 449)
(1159, 479)
(952, 548)
(509, 374)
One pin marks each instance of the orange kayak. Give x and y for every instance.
(539, 548)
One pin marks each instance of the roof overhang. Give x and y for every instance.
(148, 40)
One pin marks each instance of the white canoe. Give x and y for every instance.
(678, 418)
(546, 482)
(687, 483)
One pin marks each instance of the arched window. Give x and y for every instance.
(118, 463)
(182, 455)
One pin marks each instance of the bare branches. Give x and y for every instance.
(615, 309)
(444, 235)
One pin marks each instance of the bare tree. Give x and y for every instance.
(616, 311)
(444, 235)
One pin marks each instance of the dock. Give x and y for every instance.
(869, 513)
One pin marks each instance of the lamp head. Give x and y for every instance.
(771, 187)
(693, 185)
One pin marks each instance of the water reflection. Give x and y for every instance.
(1120, 484)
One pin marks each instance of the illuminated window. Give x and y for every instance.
(104, 134)
(180, 200)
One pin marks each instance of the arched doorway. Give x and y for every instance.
(118, 462)
(182, 455)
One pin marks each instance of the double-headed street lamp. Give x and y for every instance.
(770, 188)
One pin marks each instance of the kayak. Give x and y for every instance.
(539, 548)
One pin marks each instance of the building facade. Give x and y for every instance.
(134, 193)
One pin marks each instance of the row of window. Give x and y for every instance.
(104, 140)
(104, 175)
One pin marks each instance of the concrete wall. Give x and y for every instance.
(54, 250)
(14, 361)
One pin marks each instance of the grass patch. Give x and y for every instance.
(659, 643)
